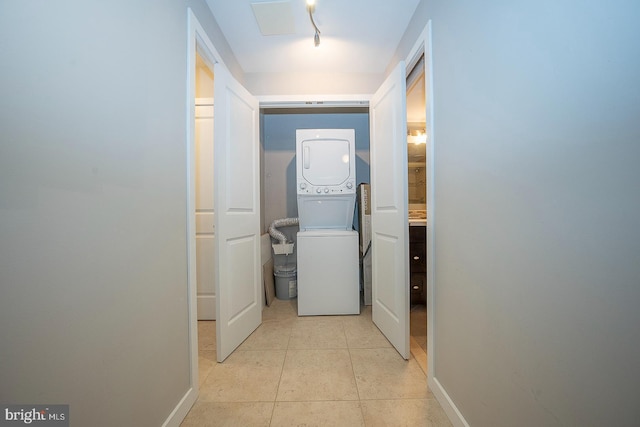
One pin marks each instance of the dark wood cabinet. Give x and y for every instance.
(418, 264)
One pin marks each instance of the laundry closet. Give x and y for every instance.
(279, 174)
(281, 198)
(248, 198)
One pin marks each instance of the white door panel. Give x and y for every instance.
(205, 222)
(205, 233)
(204, 158)
(389, 216)
(205, 254)
(238, 272)
(205, 248)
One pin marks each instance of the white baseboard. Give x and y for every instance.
(447, 404)
(182, 409)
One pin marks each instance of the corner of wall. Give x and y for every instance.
(449, 407)
(414, 29)
(201, 10)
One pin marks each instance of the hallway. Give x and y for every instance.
(312, 371)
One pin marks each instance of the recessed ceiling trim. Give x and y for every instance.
(313, 101)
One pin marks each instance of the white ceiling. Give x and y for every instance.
(357, 36)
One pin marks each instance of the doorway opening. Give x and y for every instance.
(417, 204)
(204, 216)
(201, 55)
(204, 212)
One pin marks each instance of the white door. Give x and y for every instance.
(238, 274)
(389, 216)
(205, 234)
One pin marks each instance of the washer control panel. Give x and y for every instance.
(348, 187)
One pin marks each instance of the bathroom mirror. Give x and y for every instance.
(417, 175)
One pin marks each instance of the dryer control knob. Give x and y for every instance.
(326, 190)
(349, 185)
(318, 190)
(303, 185)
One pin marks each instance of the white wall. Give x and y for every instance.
(261, 84)
(93, 268)
(537, 257)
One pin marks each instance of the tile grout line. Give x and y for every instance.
(355, 379)
(275, 399)
(345, 322)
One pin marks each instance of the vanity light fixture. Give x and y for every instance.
(417, 137)
(311, 7)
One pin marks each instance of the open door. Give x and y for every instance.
(237, 221)
(389, 216)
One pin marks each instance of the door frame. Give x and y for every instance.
(197, 40)
(423, 46)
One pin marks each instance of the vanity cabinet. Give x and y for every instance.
(418, 264)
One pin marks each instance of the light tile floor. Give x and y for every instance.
(313, 371)
(418, 327)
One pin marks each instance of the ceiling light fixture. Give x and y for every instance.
(311, 7)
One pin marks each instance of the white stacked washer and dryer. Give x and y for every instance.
(327, 254)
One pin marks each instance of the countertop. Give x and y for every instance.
(417, 217)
